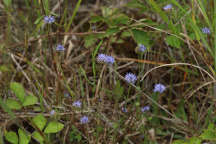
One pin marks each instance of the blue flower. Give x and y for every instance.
(49, 19)
(52, 112)
(103, 58)
(60, 47)
(206, 30)
(84, 120)
(130, 78)
(167, 7)
(77, 104)
(124, 109)
(159, 88)
(142, 48)
(145, 108)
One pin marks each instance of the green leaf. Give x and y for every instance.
(11, 137)
(137, 4)
(40, 121)
(118, 90)
(90, 40)
(78, 138)
(112, 31)
(209, 133)
(36, 135)
(37, 21)
(141, 37)
(180, 112)
(23, 137)
(179, 142)
(120, 19)
(173, 41)
(95, 19)
(194, 140)
(7, 2)
(30, 100)
(107, 12)
(54, 127)
(126, 34)
(18, 89)
(13, 104)
(4, 68)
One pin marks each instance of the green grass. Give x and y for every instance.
(35, 79)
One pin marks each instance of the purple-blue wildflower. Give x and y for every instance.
(103, 58)
(77, 104)
(130, 78)
(84, 120)
(60, 47)
(206, 30)
(145, 108)
(49, 19)
(159, 88)
(124, 109)
(142, 48)
(52, 112)
(167, 7)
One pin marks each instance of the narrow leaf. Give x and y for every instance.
(7, 2)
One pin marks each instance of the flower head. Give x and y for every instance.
(49, 19)
(103, 58)
(159, 88)
(60, 47)
(77, 104)
(142, 48)
(52, 112)
(130, 78)
(206, 30)
(84, 120)
(167, 7)
(145, 108)
(124, 109)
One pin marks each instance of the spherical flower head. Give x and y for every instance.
(52, 112)
(84, 120)
(167, 7)
(46, 19)
(159, 88)
(60, 47)
(77, 104)
(142, 48)
(49, 19)
(206, 30)
(145, 108)
(103, 58)
(124, 109)
(130, 78)
(110, 60)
